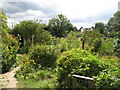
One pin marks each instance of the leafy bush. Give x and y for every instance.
(9, 51)
(106, 79)
(9, 45)
(107, 47)
(71, 41)
(43, 37)
(117, 48)
(26, 66)
(80, 62)
(44, 55)
(31, 32)
(40, 75)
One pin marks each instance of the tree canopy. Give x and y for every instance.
(100, 26)
(59, 26)
(114, 22)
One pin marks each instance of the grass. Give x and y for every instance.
(31, 83)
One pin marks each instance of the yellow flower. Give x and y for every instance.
(27, 62)
(32, 60)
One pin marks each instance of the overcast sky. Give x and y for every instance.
(80, 12)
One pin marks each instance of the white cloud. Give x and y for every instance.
(84, 8)
(27, 15)
(73, 9)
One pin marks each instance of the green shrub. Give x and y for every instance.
(106, 79)
(44, 55)
(8, 45)
(107, 47)
(9, 51)
(26, 66)
(68, 43)
(80, 62)
(117, 48)
(41, 74)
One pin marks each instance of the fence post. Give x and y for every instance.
(90, 85)
(74, 83)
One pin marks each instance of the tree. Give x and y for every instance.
(100, 26)
(26, 29)
(59, 26)
(42, 36)
(114, 29)
(31, 32)
(114, 22)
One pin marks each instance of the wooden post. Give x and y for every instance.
(83, 44)
(82, 40)
(91, 84)
(74, 83)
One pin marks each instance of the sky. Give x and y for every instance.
(81, 13)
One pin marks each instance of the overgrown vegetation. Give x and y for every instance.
(48, 55)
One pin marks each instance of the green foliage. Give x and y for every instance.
(44, 55)
(42, 37)
(107, 47)
(107, 79)
(117, 49)
(9, 45)
(114, 22)
(31, 32)
(93, 39)
(26, 66)
(97, 44)
(9, 51)
(100, 27)
(80, 62)
(40, 75)
(31, 83)
(71, 41)
(59, 26)
(3, 19)
(26, 29)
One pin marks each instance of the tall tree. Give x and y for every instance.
(114, 22)
(31, 32)
(59, 26)
(114, 28)
(26, 29)
(100, 26)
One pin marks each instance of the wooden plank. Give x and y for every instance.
(83, 77)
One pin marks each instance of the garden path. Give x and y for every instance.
(8, 80)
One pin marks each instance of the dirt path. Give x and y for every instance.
(8, 80)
